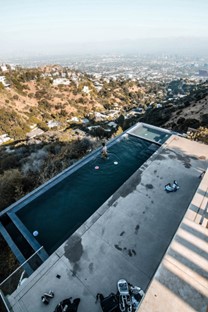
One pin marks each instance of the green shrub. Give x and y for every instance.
(11, 187)
(9, 161)
(20, 131)
(42, 125)
(33, 119)
(79, 148)
(14, 185)
(44, 104)
(15, 97)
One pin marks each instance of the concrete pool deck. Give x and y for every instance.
(181, 281)
(128, 236)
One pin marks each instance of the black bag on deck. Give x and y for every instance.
(67, 306)
(109, 303)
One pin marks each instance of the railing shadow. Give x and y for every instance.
(184, 270)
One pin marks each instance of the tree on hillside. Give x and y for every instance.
(13, 185)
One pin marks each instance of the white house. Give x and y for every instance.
(59, 81)
(113, 113)
(73, 119)
(53, 123)
(3, 81)
(34, 133)
(4, 138)
(12, 66)
(4, 67)
(86, 89)
(99, 116)
(55, 74)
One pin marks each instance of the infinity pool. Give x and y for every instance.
(150, 133)
(59, 211)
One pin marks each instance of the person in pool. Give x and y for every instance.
(104, 151)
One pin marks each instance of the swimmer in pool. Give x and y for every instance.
(104, 151)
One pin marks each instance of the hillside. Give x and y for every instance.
(55, 98)
(192, 112)
(37, 96)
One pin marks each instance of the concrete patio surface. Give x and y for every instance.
(128, 236)
(181, 281)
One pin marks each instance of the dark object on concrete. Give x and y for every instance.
(47, 296)
(109, 303)
(202, 174)
(67, 306)
(125, 303)
(172, 188)
(45, 300)
(58, 276)
(127, 299)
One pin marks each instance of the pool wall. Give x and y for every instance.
(12, 209)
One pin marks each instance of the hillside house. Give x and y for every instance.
(53, 123)
(34, 133)
(73, 119)
(3, 81)
(4, 138)
(113, 114)
(86, 89)
(61, 81)
(100, 116)
(4, 68)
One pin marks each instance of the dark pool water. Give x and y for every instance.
(58, 212)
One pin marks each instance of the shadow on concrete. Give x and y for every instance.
(188, 262)
(197, 209)
(191, 246)
(202, 192)
(196, 233)
(190, 294)
(184, 270)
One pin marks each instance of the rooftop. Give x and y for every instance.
(140, 234)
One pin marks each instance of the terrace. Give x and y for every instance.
(129, 236)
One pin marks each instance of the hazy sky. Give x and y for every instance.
(50, 26)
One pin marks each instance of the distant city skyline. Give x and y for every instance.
(78, 26)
